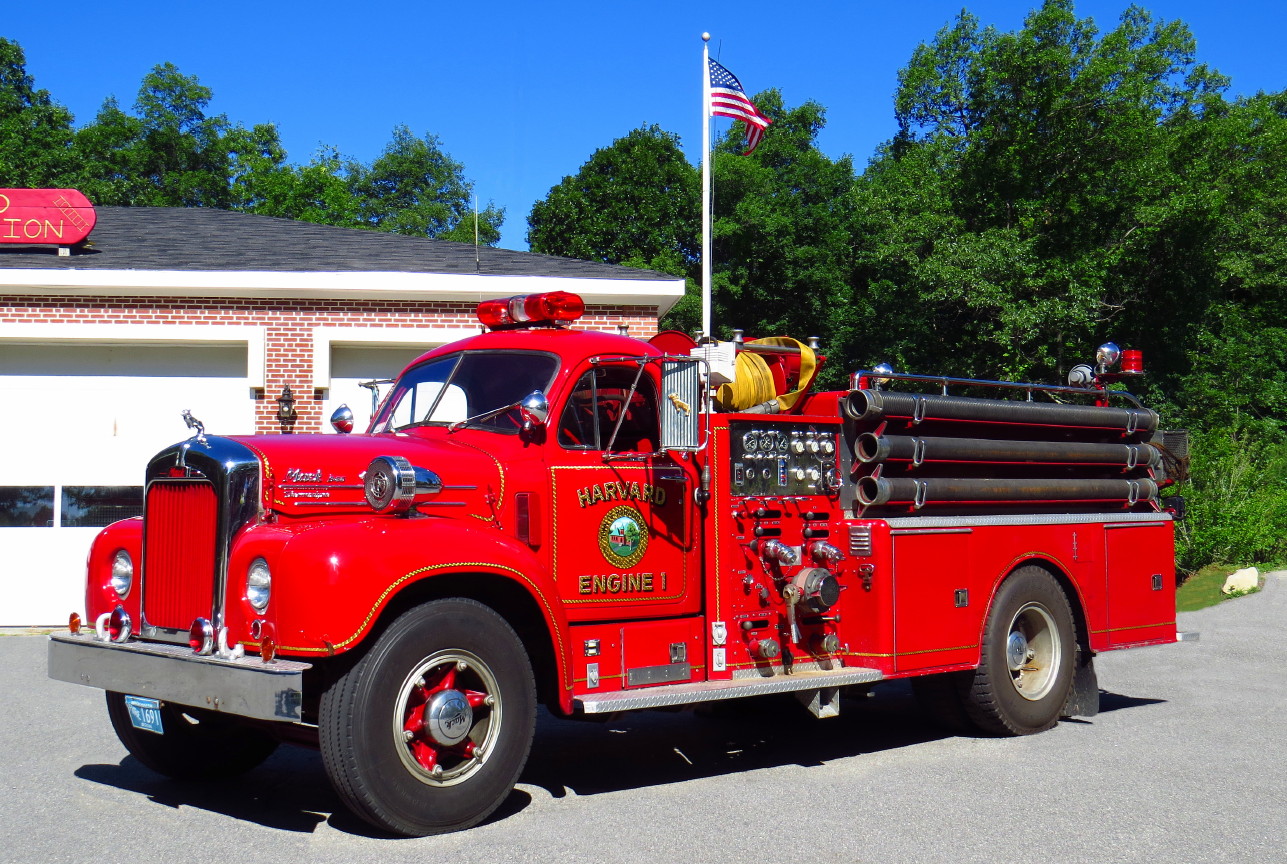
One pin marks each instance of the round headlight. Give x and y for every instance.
(122, 573)
(259, 584)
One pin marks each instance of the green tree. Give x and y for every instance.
(264, 183)
(35, 132)
(783, 244)
(1059, 191)
(415, 188)
(1229, 339)
(636, 202)
(170, 154)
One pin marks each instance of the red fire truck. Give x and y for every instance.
(540, 514)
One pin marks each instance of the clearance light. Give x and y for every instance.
(551, 307)
(266, 635)
(268, 649)
(73, 623)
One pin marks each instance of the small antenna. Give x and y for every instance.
(477, 266)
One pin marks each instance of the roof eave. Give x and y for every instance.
(661, 293)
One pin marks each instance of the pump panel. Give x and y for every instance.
(782, 457)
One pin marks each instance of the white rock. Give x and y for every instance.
(1246, 579)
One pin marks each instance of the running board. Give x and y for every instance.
(713, 691)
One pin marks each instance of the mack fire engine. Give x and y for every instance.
(542, 514)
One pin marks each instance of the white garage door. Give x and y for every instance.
(83, 422)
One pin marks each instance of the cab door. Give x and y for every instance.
(623, 532)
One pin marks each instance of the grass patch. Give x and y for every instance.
(1202, 589)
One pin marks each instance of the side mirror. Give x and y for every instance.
(342, 420)
(535, 410)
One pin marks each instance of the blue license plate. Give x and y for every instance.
(145, 714)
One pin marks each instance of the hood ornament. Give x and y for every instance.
(194, 423)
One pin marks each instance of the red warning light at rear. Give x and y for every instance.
(527, 310)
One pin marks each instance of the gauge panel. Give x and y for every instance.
(778, 457)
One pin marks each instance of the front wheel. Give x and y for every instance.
(1025, 671)
(428, 732)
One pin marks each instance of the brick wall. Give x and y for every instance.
(289, 324)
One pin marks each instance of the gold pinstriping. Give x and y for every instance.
(455, 565)
(554, 543)
(500, 472)
(1135, 627)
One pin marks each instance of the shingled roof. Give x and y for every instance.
(197, 239)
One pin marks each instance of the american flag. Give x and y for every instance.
(728, 99)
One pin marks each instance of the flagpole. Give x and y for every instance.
(706, 188)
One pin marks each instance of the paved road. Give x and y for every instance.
(1184, 764)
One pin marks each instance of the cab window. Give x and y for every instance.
(600, 398)
(457, 387)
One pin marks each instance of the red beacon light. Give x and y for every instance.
(1132, 362)
(531, 310)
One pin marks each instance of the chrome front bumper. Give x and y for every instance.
(247, 686)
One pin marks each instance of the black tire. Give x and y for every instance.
(1025, 671)
(448, 686)
(197, 744)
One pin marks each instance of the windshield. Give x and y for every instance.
(454, 388)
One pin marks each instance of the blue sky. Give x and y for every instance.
(522, 93)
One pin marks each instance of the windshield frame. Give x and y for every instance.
(409, 379)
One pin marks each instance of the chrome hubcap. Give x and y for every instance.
(1033, 652)
(447, 718)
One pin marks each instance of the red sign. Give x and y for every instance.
(56, 217)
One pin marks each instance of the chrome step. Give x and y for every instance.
(712, 691)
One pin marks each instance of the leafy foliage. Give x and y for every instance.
(169, 153)
(636, 202)
(783, 248)
(415, 188)
(35, 132)
(1237, 501)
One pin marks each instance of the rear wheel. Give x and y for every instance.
(428, 732)
(1025, 673)
(197, 744)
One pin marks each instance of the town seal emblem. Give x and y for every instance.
(623, 536)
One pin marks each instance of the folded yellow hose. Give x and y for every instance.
(754, 384)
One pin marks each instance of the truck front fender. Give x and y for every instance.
(332, 582)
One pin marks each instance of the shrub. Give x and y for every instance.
(1236, 499)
